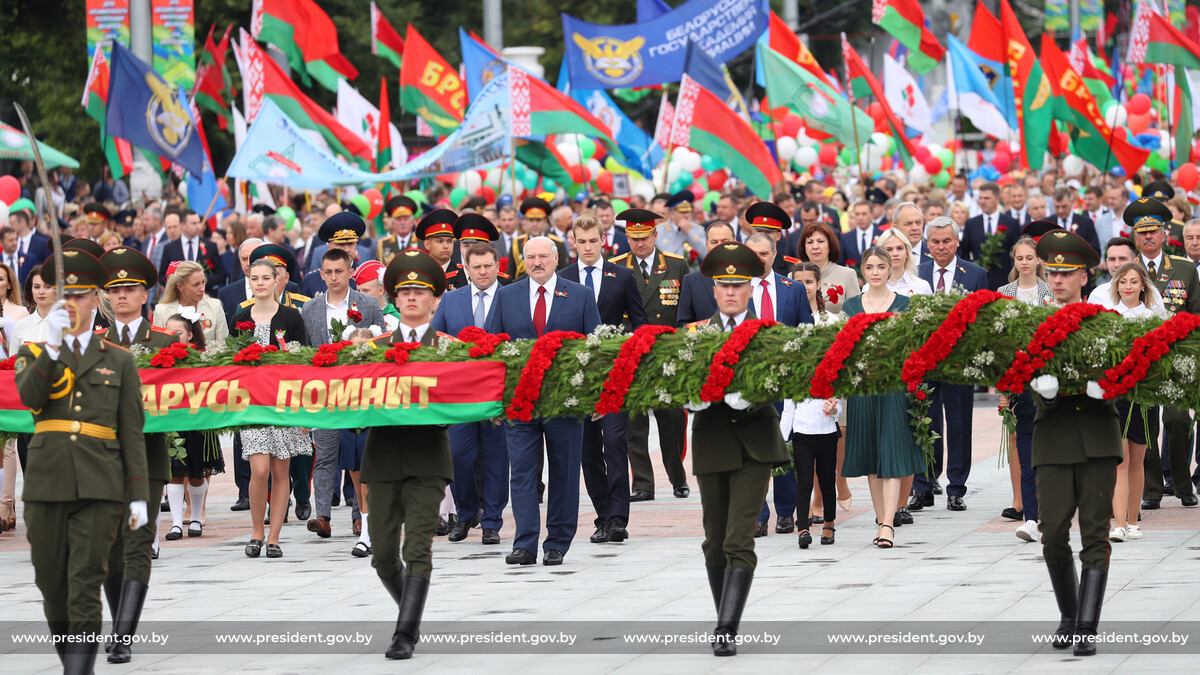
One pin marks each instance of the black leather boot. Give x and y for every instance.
(1091, 597)
(112, 593)
(412, 606)
(80, 658)
(395, 587)
(1066, 592)
(733, 600)
(716, 581)
(133, 598)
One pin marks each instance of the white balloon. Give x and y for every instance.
(679, 153)
(1116, 116)
(690, 161)
(786, 146)
(469, 181)
(673, 171)
(934, 147)
(643, 188)
(3, 213)
(1072, 165)
(1168, 144)
(918, 176)
(804, 140)
(806, 156)
(594, 168)
(570, 153)
(871, 156)
(493, 178)
(879, 139)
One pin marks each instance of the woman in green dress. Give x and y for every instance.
(879, 441)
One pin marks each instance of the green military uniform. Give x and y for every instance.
(535, 208)
(1179, 285)
(1076, 450)
(129, 560)
(388, 246)
(87, 460)
(660, 294)
(407, 470)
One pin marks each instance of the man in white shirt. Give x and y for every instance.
(958, 193)
(908, 218)
(1121, 250)
(1101, 215)
(1017, 204)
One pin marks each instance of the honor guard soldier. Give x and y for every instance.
(472, 228)
(535, 212)
(773, 220)
(341, 230)
(284, 262)
(659, 275)
(130, 277)
(734, 447)
(436, 233)
(1076, 450)
(1178, 284)
(407, 468)
(87, 457)
(399, 213)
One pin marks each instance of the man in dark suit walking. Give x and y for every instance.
(612, 238)
(1070, 221)
(193, 246)
(696, 299)
(527, 309)
(991, 222)
(605, 451)
(945, 272)
(32, 246)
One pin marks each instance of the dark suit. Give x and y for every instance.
(1082, 225)
(605, 457)
(957, 400)
(620, 243)
(973, 237)
(481, 443)
(851, 247)
(36, 253)
(696, 299)
(207, 256)
(511, 313)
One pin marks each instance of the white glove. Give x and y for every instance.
(1095, 390)
(1045, 385)
(58, 320)
(734, 400)
(696, 407)
(137, 514)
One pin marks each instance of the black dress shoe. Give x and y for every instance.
(760, 529)
(1150, 504)
(242, 504)
(641, 496)
(903, 516)
(937, 489)
(491, 536)
(303, 511)
(920, 500)
(165, 506)
(617, 532)
(336, 501)
(600, 536)
(1188, 500)
(461, 529)
(1169, 488)
(1012, 514)
(785, 525)
(552, 557)
(956, 503)
(520, 556)
(682, 492)
(445, 525)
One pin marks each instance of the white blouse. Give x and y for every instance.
(807, 417)
(910, 285)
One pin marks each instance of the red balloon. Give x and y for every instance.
(1188, 177)
(579, 173)
(792, 124)
(448, 178)
(10, 190)
(487, 192)
(1138, 123)
(717, 179)
(698, 188)
(375, 199)
(933, 165)
(1002, 161)
(1120, 133)
(1003, 147)
(604, 182)
(1138, 105)
(828, 154)
(875, 111)
(920, 153)
(601, 153)
(887, 164)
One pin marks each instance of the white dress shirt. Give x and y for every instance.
(194, 243)
(637, 262)
(757, 291)
(597, 275)
(133, 327)
(739, 319)
(937, 272)
(13, 261)
(1019, 215)
(1136, 312)
(489, 294)
(1158, 263)
(910, 285)
(339, 311)
(30, 329)
(406, 332)
(68, 343)
(990, 222)
(550, 285)
(1102, 296)
(23, 244)
(808, 417)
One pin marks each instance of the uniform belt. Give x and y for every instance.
(76, 427)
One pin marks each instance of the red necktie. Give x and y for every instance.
(768, 308)
(941, 285)
(539, 312)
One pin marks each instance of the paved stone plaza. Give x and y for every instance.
(949, 571)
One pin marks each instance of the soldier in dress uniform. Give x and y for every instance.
(130, 276)
(734, 447)
(436, 233)
(472, 228)
(679, 235)
(1178, 284)
(341, 230)
(659, 275)
(399, 212)
(1076, 450)
(773, 221)
(87, 457)
(407, 468)
(534, 212)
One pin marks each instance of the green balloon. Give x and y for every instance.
(619, 205)
(288, 215)
(942, 179)
(847, 156)
(710, 200)
(361, 203)
(456, 197)
(416, 195)
(549, 185)
(587, 147)
(947, 156)
(21, 204)
(710, 164)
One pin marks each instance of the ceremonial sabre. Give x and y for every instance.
(51, 221)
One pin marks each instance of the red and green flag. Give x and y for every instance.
(1097, 81)
(1033, 92)
(117, 151)
(385, 41)
(1155, 40)
(862, 82)
(214, 84)
(786, 43)
(722, 134)
(823, 109)
(905, 20)
(383, 154)
(430, 87)
(539, 110)
(306, 35)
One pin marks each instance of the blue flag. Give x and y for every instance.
(642, 154)
(651, 9)
(714, 77)
(480, 64)
(1001, 85)
(149, 113)
(279, 151)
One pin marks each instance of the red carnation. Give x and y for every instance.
(354, 315)
(851, 332)
(529, 386)
(162, 359)
(399, 352)
(244, 326)
(1002, 228)
(8, 364)
(720, 374)
(620, 376)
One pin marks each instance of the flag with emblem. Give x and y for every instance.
(862, 82)
(307, 37)
(385, 41)
(905, 96)
(823, 108)
(905, 21)
(117, 151)
(1154, 40)
(430, 87)
(987, 47)
(1097, 81)
(1032, 91)
(722, 134)
(784, 42)
(480, 62)
(662, 126)
(360, 116)
(969, 94)
(214, 84)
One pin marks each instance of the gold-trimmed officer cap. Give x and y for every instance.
(97, 212)
(639, 223)
(278, 255)
(1064, 251)
(79, 244)
(1038, 229)
(82, 272)
(1160, 190)
(128, 267)
(768, 216)
(342, 228)
(535, 207)
(1147, 215)
(732, 263)
(474, 227)
(440, 223)
(681, 201)
(414, 269)
(400, 206)
(125, 217)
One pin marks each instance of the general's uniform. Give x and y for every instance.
(535, 208)
(87, 461)
(396, 208)
(660, 287)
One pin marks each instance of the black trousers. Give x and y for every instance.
(821, 450)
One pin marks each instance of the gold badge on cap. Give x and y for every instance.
(412, 253)
(120, 251)
(1060, 234)
(122, 274)
(730, 269)
(1059, 258)
(412, 276)
(731, 247)
(71, 278)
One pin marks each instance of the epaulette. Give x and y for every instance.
(619, 259)
(672, 255)
(164, 331)
(451, 275)
(246, 303)
(300, 298)
(384, 337)
(1181, 258)
(503, 275)
(694, 326)
(790, 260)
(114, 344)
(100, 331)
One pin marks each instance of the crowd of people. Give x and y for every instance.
(808, 255)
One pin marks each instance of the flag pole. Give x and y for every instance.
(1171, 95)
(862, 178)
(212, 204)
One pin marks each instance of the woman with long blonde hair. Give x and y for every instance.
(185, 288)
(903, 278)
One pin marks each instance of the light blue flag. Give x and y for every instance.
(480, 64)
(970, 93)
(1001, 85)
(642, 154)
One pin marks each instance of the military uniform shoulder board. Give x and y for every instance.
(672, 255)
(164, 331)
(790, 260)
(114, 344)
(246, 303)
(555, 237)
(451, 275)
(296, 297)
(1180, 258)
(383, 338)
(100, 331)
(503, 275)
(619, 259)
